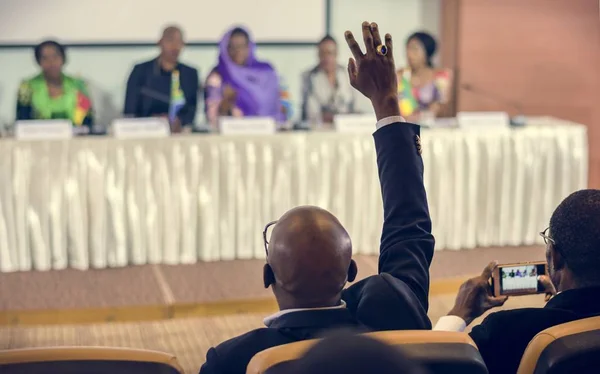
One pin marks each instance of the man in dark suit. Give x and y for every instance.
(573, 257)
(164, 87)
(309, 252)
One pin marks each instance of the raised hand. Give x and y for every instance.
(373, 73)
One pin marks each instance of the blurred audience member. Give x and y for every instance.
(164, 87)
(422, 87)
(240, 85)
(354, 354)
(326, 89)
(573, 256)
(53, 94)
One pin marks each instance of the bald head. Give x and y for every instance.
(171, 31)
(310, 254)
(171, 43)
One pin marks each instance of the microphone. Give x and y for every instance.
(518, 121)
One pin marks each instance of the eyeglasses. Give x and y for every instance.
(267, 235)
(547, 238)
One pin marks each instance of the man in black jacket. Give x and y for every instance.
(309, 252)
(573, 257)
(164, 87)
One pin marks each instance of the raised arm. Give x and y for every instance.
(406, 242)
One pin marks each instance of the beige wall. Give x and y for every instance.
(543, 55)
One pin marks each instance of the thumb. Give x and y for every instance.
(497, 301)
(352, 69)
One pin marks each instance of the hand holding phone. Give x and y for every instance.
(475, 296)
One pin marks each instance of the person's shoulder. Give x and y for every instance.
(238, 351)
(78, 82)
(187, 68)
(32, 80)
(143, 66)
(527, 318)
(26, 87)
(310, 72)
(383, 302)
(214, 78)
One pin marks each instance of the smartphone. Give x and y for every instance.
(518, 279)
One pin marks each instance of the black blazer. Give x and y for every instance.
(396, 299)
(503, 336)
(149, 91)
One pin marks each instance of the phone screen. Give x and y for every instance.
(520, 279)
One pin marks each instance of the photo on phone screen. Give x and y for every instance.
(520, 279)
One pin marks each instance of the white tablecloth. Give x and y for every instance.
(101, 202)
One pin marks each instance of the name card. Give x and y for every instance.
(355, 123)
(247, 125)
(135, 128)
(44, 130)
(483, 120)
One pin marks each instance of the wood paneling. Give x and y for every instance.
(537, 57)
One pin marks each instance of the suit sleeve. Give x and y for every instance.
(406, 248)
(211, 366)
(133, 94)
(187, 114)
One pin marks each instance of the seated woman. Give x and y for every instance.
(53, 94)
(326, 88)
(240, 85)
(421, 87)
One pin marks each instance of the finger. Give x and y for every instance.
(497, 301)
(375, 34)
(352, 70)
(546, 284)
(388, 44)
(487, 272)
(353, 44)
(548, 297)
(368, 39)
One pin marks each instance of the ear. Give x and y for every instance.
(556, 261)
(352, 271)
(268, 276)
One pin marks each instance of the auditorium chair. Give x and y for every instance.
(572, 347)
(441, 352)
(88, 360)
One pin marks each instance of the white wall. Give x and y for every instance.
(106, 69)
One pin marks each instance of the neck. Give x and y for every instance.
(285, 304)
(567, 282)
(419, 69)
(55, 81)
(166, 65)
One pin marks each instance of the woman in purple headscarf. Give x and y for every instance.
(240, 85)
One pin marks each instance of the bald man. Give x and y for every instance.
(164, 87)
(309, 253)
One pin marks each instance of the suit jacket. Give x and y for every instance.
(503, 336)
(149, 91)
(395, 299)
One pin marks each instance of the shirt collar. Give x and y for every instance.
(270, 319)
